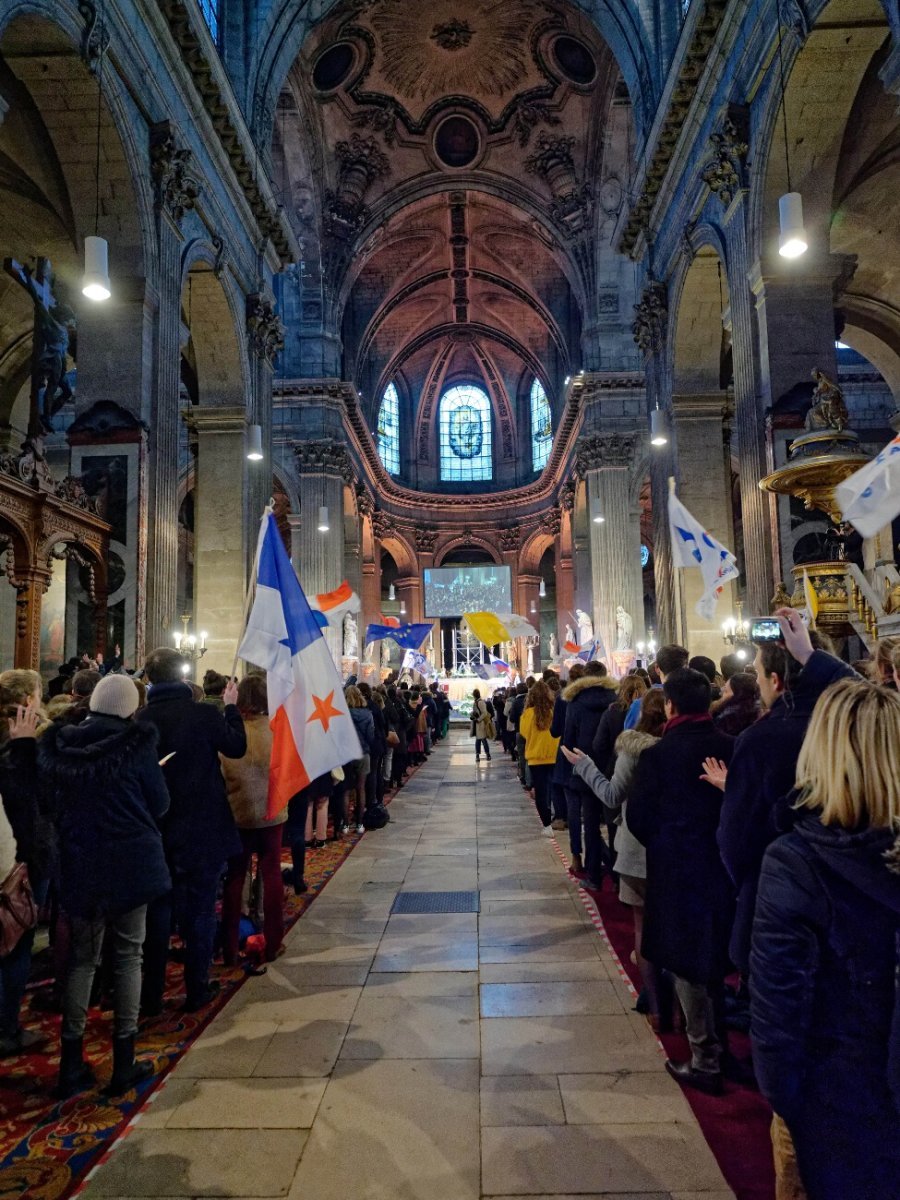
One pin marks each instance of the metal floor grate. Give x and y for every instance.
(437, 902)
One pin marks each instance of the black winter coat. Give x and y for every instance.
(199, 831)
(562, 772)
(587, 699)
(689, 906)
(379, 742)
(762, 773)
(108, 789)
(825, 1005)
(603, 747)
(26, 807)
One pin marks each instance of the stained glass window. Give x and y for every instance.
(388, 434)
(541, 426)
(210, 10)
(465, 434)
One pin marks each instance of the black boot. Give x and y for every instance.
(126, 1072)
(75, 1075)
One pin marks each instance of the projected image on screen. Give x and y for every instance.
(452, 591)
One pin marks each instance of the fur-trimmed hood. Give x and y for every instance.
(634, 742)
(99, 745)
(585, 683)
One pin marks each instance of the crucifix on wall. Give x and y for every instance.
(50, 344)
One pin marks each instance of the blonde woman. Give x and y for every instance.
(540, 748)
(823, 965)
(358, 772)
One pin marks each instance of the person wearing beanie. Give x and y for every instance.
(103, 780)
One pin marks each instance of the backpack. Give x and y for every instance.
(376, 816)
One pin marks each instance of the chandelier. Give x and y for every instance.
(187, 644)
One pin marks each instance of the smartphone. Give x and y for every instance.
(765, 629)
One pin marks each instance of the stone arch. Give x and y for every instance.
(213, 318)
(48, 203)
(463, 541)
(401, 551)
(696, 330)
(535, 547)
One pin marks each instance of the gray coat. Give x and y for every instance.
(631, 858)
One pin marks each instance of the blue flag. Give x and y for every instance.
(410, 637)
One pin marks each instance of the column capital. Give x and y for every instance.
(602, 450)
(325, 457)
(213, 419)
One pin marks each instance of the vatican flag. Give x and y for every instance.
(492, 629)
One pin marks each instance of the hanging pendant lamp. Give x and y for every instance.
(254, 442)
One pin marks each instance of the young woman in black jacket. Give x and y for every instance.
(824, 960)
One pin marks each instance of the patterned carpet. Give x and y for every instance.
(46, 1147)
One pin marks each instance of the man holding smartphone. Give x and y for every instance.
(794, 667)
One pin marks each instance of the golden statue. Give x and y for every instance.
(781, 599)
(828, 410)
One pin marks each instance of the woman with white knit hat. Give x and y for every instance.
(109, 794)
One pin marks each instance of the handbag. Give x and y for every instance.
(18, 911)
(392, 738)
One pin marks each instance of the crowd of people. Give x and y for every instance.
(131, 805)
(749, 815)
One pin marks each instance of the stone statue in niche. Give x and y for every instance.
(370, 652)
(570, 635)
(532, 645)
(829, 410)
(554, 646)
(385, 653)
(52, 323)
(351, 637)
(585, 627)
(624, 629)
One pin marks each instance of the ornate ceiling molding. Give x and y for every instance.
(682, 96)
(183, 17)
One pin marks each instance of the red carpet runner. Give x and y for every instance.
(735, 1125)
(47, 1147)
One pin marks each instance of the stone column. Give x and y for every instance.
(322, 467)
(220, 576)
(605, 462)
(704, 487)
(265, 339)
(650, 330)
(409, 594)
(295, 524)
(177, 191)
(757, 507)
(527, 592)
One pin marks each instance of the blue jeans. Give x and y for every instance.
(479, 742)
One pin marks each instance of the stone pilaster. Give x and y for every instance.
(757, 511)
(162, 517)
(606, 463)
(323, 467)
(704, 487)
(220, 566)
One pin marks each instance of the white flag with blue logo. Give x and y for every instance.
(692, 546)
(870, 498)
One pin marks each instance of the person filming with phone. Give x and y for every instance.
(794, 666)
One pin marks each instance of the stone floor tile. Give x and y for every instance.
(228, 1051)
(594, 1158)
(309, 1050)
(560, 998)
(564, 1045)
(281, 996)
(237, 1104)
(521, 1100)
(201, 1162)
(422, 1145)
(422, 1027)
(543, 972)
(421, 983)
(623, 1099)
(541, 949)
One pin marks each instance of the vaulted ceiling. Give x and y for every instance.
(446, 175)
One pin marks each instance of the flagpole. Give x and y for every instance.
(251, 587)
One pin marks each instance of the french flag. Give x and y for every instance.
(311, 725)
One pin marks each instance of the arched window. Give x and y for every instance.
(541, 426)
(210, 10)
(389, 430)
(464, 423)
